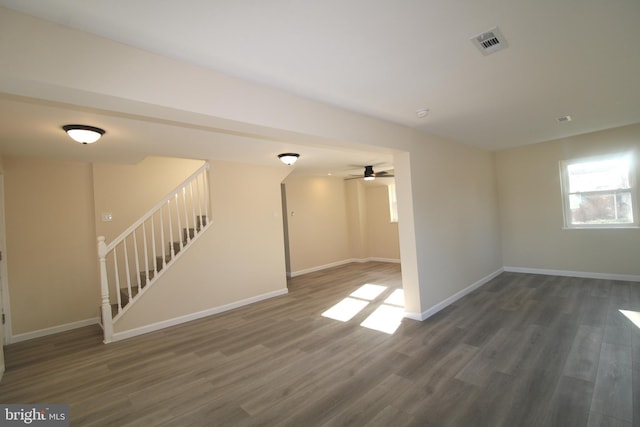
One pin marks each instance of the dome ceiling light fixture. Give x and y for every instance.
(288, 158)
(83, 134)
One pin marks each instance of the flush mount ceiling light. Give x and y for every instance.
(288, 158)
(83, 134)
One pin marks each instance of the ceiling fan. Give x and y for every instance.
(370, 175)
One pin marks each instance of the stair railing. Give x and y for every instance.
(133, 261)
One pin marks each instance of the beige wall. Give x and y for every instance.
(317, 220)
(531, 208)
(335, 221)
(240, 256)
(455, 212)
(382, 234)
(51, 247)
(129, 191)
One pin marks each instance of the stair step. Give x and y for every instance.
(159, 263)
(201, 221)
(124, 294)
(176, 247)
(143, 277)
(186, 237)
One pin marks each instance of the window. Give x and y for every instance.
(599, 192)
(393, 203)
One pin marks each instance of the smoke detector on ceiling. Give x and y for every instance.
(490, 41)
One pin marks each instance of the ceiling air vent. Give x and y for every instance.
(490, 41)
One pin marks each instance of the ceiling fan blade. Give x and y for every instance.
(383, 174)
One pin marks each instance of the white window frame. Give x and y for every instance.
(393, 203)
(564, 178)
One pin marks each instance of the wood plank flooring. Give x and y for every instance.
(523, 350)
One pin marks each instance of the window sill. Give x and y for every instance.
(604, 227)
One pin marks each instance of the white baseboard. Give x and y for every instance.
(375, 259)
(453, 298)
(320, 267)
(53, 330)
(339, 263)
(119, 336)
(581, 274)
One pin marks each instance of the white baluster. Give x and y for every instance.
(117, 274)
(180, 225)
(146, 253)
(135, 250)
(171, 251)
(107, 321)
(153, 246)
(186, 235)
(193, 209)
(162, 240)
(206, 195)
(199, 197)
(126, 270)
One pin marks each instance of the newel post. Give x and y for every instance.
(107, 323)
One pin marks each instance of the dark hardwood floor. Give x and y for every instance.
(523, 350)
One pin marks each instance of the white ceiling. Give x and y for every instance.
(390, 58)
(32, 127)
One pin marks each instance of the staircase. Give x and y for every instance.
(132, 262)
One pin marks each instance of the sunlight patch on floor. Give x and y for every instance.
(368, 291)
(634, 316)
(345, 309)
(396, 298)
(386, 318)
